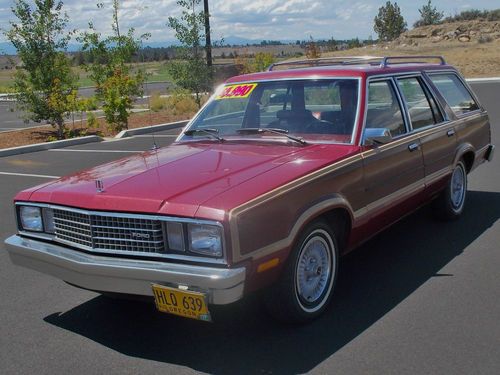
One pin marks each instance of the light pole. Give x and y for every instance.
(208, 43)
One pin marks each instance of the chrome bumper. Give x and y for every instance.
(489, 153)
(119, 275)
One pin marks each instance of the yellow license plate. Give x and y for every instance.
(184, 303)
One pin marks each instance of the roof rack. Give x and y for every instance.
(327, 61)
(383, 62)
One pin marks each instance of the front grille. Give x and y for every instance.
(109, 233)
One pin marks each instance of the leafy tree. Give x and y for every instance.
(429, 15)
(312, 49)
(192, 72)
(117, 84)
(354, 43)
(45, 81)
(262, 61)
(389, 23)
(331, 44)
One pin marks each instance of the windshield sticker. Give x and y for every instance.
(237, 91)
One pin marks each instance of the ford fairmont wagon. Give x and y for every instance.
(280, 174)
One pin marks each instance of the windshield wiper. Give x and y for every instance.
(208, 131)
(273, 131)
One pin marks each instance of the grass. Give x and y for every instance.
(157, 71)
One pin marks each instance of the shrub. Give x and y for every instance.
(156, 102)
(181, 102)
(485, 39)
(475, 14)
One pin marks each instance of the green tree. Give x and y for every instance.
(429, 15)
(45, 81)
(192, 72)
(262, 61)
(389, 23)
(312, 49)
(117, 84)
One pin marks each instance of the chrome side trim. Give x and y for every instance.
(106, 274)
(438, 175)
(401, 194)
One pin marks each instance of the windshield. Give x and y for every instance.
(315, 110)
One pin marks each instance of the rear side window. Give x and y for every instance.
(454, 92)
(419, 108)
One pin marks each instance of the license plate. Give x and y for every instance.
(184, 303)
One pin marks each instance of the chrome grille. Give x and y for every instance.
(108, 233)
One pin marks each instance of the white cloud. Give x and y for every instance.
(256, 19)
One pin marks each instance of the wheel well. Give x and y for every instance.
(340, 220)
(468, 159)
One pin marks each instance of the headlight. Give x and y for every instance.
(31, 218)
(205, 239)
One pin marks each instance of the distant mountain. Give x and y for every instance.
(8, 49)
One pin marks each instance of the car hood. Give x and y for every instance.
(176, 179)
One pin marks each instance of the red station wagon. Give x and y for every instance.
(280, 174)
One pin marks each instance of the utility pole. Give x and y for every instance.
(208, 43)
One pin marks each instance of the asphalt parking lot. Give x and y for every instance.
(422, 297)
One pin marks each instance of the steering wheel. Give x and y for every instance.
(323, 127)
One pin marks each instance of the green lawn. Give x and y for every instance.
(157, 71)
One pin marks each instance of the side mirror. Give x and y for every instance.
(376, 136)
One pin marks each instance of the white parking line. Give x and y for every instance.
(112, 151)
(156, 136)
(28, 175)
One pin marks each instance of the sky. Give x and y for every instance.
(251, 19)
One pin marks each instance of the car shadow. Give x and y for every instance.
(373, 280)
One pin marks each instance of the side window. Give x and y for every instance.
(384, 111)
(419, 108)
(454, 92)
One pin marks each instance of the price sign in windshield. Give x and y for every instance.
(237, 91)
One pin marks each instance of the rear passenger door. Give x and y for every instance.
(393, 172)
(437, 136)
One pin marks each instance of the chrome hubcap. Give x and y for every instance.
(313, 270)
(457, 187)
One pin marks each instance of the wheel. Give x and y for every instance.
(306, 285)
(450, 203)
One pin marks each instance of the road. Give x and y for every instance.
(12, 119)
(421, 298)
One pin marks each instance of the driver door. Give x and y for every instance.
(393, 172)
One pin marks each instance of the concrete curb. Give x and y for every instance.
(49, 145)
(151, 129)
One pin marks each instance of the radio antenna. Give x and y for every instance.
(146, 94)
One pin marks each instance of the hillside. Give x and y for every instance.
(472, 46)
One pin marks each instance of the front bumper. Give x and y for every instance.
(119, 275)
(489, 153)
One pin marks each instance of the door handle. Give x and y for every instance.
(413, 147)
(450, 133)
